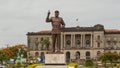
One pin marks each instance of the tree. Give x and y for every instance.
(8, 52)
(108, 56)
(45, 42)
(3, 56)
(12, 52)
(24, 52)
(89, 62)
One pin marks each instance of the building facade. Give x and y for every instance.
(77, 43)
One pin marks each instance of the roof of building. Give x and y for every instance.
(97, 27)
(77, 29)
(112, 31)
(43, 32)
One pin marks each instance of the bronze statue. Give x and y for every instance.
(57, 23)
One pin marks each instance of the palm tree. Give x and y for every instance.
(45, 42)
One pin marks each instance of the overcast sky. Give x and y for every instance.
(17, 17)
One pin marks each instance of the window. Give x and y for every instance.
(42, 54)
(114, 43)
(98, 37)
(109, 43)
(68, 42)
(98, 53)
(67, 56)
(77, 55)
(87, 43)
(41, 38)
(78, 43)
(87, 55)
(98, 45)
(36, 43)
(36, 54)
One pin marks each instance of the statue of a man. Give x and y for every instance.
(57, 23)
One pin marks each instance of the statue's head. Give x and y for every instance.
(56, 13)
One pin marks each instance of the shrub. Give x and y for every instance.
(73, 64)
(88, 62)
(114, 64)
(18, 64)
(118, 65)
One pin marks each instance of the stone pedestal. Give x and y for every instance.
(55, 59)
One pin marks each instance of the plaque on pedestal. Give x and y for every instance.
(55, 59)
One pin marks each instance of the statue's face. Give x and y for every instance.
(57, 14)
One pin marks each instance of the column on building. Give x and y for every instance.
(91, 40)
(64, 36)
(81, 40)
(73, 40)
(83, 45)
(62, 39)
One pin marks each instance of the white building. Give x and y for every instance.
(77, 42)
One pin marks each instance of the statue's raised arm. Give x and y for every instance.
(48, 19)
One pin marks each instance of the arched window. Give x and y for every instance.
(42, 54)
(36, 54)
(87, 55)
(77, 55)
(98, 53)
(67, 56)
